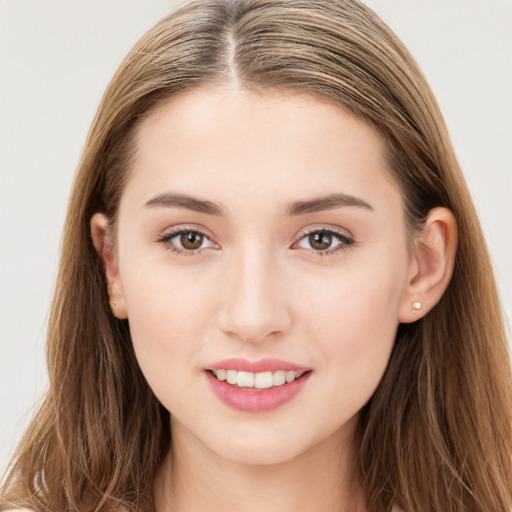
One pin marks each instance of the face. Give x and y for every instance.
(260, 240)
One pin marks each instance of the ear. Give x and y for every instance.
(431, 266)
(103, 244)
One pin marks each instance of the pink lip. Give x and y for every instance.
(267, 364)
(256, 400)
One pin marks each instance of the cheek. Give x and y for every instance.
(169, 316)
(352, 319)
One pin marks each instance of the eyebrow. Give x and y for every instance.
(186, 202)
(326, 203)
(318, 204)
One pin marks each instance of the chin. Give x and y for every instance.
(266, 444)
(259, 454)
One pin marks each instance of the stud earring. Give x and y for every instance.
(416, 306)
(115, 304)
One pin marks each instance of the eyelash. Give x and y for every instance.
(166, 238)
(345, 241)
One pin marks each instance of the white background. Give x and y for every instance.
(57, 56)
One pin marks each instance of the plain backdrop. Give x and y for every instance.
(57, 56)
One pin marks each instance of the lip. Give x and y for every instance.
(267, 364)
(256, 400)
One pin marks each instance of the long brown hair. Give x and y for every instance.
(436, 435)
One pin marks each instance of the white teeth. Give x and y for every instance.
(245, 379)
(279, 378)
(290, 376)
(262, 380)
(231, 376)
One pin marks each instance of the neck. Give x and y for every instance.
(194, 478)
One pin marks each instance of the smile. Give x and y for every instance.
(256, 386)
(261, 380)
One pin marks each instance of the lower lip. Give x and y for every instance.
(254, 400)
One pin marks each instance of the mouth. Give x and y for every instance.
(258, 381)
(256, 387)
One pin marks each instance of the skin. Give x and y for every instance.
(257, 287)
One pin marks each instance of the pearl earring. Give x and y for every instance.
(416, 306)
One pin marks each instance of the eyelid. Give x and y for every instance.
(328, 228)
(325, 227)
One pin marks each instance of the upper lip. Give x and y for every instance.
(267, 364)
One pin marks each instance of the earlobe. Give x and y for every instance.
(431, 265)
(103, 244)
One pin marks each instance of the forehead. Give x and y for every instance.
(282, 145)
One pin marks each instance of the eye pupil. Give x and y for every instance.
(320, 240)
(191, 240)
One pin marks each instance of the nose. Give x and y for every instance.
(254, 301)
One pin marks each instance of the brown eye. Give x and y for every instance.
(191, 240)
(324, 242)
(320, 240)
(186, 241)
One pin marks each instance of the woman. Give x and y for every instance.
(266, 297)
